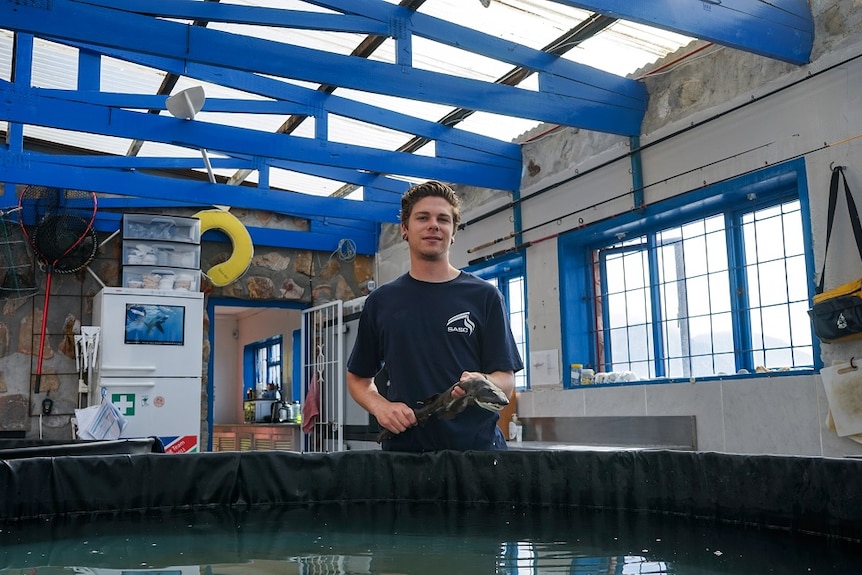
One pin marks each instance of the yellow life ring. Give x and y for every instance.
(231, 270)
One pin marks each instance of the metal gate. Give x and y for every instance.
(323, 385)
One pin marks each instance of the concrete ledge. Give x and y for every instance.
(652, 431)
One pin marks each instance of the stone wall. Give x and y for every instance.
(275, 274)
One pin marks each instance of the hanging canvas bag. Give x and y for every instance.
(842, 383)
(837, 313)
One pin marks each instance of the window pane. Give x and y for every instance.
(719, 292)
(619, 347)
(268, 362)
(793, 244)
(696, 298)
(617, 310)
(777, 287)
(636, 306)
(694, 253)
(797, 286)
(518, 322)
(716, 249)
(511, 285)
(722, 333)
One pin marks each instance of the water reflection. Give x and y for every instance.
(414, 539)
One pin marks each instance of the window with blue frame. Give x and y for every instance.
(266, 359)
(507, 274)
(712, 283)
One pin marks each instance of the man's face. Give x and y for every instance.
(430, 228)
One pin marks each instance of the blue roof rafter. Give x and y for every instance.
(779, 29)
(40, 170)
(399, 22)
(493, 151)
(108, 27)
(382, 184)
(321, 237)
(155, 102)
(143, 162)
(586, 82)
(324, 241)
(37, 107)
(251, 15)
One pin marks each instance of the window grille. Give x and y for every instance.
(691, 293)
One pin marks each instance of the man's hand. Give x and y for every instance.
(505, 380)
(395, 416)
(458, 391)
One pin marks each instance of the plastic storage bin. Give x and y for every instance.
(161, 252)
(164, 279)
(170, 254)
(161, 228)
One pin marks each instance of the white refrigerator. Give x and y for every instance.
(150, 363)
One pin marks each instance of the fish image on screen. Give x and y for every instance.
(155, 324)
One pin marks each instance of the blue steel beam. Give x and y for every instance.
(587, 107)
(249, 15)
(37, 107)
(40, 170)
(322, 237)
(495, 152)
(367, 180)
(779, 29)
(399, 21)
(584, 81)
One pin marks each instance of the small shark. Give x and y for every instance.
(479, 392)
(139, 319)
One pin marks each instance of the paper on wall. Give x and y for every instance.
(544, 368)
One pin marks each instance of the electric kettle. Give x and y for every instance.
(280, 412)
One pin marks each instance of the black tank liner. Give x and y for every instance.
(801, 494)
(23, 448)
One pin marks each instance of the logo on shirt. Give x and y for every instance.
(461, 323)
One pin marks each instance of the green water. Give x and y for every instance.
(410, 539)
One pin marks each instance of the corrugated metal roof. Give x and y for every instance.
(621, 48)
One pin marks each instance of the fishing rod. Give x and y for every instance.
(623, 195)
(642, 147)
(525, 245)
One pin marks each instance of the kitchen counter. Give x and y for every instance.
(263, 436)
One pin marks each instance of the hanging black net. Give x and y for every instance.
(17, 270)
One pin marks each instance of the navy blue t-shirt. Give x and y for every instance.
(427, 334)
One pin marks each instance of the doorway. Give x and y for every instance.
(235, 324)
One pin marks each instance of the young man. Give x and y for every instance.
(432, 327)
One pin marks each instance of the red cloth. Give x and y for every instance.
(311, 405)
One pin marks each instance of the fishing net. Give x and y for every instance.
(58, 224)
(17, 273)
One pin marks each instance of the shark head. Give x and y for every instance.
(483, 393)
(478, 391)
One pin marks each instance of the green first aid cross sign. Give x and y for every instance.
(125, 402)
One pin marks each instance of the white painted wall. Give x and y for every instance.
(767, 112)
(226, 357)
(249, 326)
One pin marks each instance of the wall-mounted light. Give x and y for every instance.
(185, 105)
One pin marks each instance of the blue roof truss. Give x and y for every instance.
(139, 31)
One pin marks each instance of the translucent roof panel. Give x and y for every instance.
(620, 48)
